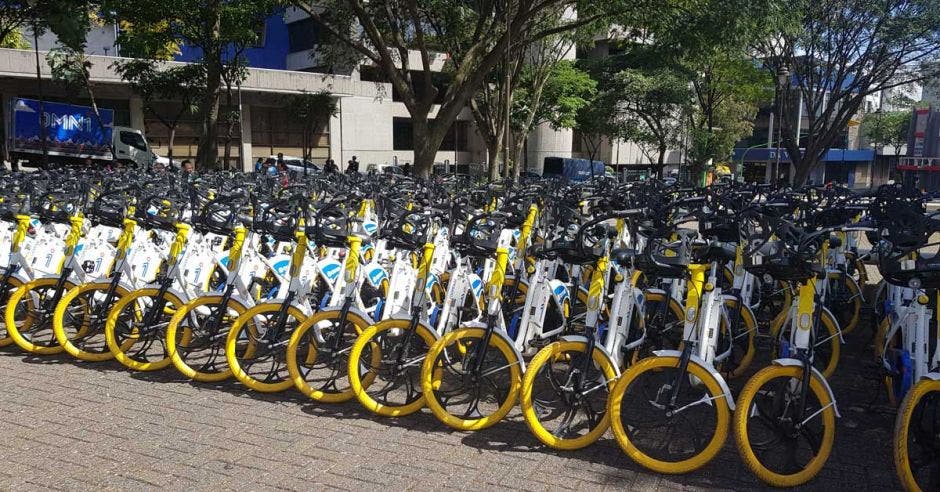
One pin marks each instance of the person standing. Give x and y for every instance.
(352, 166)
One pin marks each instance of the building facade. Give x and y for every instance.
(370, 123)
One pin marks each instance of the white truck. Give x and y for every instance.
(72, 135)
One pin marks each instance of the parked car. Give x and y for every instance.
(296, 164)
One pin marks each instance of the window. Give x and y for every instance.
(439, 80)
(577, 141)
(260, 30)
(370, 73)
(402, 134)
(457, 134)
(134, 140)
(303, 35)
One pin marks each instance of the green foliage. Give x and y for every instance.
(14, 15)
(317, 107)
(841, 52)
(154, 29)
(889, 128)
(14, 39)
(728, 90)
(566, 90)
(313, 111)
(69, 67)
(155, 82)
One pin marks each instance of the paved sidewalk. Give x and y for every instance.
(76, 426)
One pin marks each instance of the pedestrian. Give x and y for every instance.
(352, 166)
(259, 165)
(330, 166)
(188, 166)
(283, 174)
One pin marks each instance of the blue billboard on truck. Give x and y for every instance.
(70, 130)
(572, 169)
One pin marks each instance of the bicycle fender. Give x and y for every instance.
(352, 309)
(437, 336)
(498, 333)
(694, 359)
(933, 376)
(790, 362)
(836, 321)
(584, 339)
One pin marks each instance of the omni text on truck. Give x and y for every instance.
(72, 135)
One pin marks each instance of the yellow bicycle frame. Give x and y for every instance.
(22, 227)
(693, 293)
(495, 286)
(182, 234)
(352, 258)
(235, 252)
(300, 249)
(596, 288)
(124, 242)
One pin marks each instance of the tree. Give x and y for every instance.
(14, 14)
(836, 53)
(314, 111)
(598, 121)
(650, 106)
(727, 89)
(489, 107)
(218, 29)
(156, 83)
(887, 129)
(553, 93)
(474, 35)
(70, 21)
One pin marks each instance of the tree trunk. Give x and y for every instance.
(169, 149)
(209, 107)
(94, 103)
(517, 161)
(493, 155)
(230, 129)
(426, 143)
(661, 162)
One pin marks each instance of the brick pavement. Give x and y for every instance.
(68, 425)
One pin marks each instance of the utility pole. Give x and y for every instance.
(506, 125)
(42, 110)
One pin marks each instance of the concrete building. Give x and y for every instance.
(371, 123)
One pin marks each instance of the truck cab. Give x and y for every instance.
(131, 147)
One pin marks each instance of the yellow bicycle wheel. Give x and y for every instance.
(136, 329)
(469, 386)
(916, 437)
(385, 367)
(828, 345)
(320, 371)
(79, 321)
(785, 291)
(767, 415)
(740, 339)
(564, 396)
(197, 351)
(641, 406)
(664, 323)
(256, 346)
(12, 284)
(845, 301)
(29, 316)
